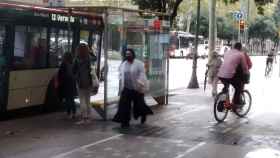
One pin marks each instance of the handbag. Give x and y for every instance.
(143, 85)
(95, 82)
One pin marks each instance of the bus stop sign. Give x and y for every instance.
(238, 15)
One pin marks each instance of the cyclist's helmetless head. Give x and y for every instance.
(238, 46)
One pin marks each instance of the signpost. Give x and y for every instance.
(238, 16)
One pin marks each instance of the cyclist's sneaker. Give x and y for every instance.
(220, 106)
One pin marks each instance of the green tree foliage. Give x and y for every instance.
(204, 26)
(226, 29)
(263, 28)
(276, 17)
(276, 14)
(173, 5)
(259, 4)
(160, 6)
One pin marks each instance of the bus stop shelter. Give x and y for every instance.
(145, 32)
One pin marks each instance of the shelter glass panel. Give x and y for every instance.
(115, 48)
(98, 99)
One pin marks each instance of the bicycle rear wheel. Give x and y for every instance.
(220, 112)
(246, 99)
(267, 71)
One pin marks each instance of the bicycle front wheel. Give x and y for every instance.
(220, 112)
(246, 100)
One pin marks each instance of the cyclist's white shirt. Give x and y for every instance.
(232, 59)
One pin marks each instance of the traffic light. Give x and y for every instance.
(242, 24)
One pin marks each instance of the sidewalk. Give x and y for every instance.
(51, 134)
(185, 128)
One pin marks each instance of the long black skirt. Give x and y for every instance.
(131, 100)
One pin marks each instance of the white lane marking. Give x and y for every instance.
(191, 150)
(176, 103)
(86, 146)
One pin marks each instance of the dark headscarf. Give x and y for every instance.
(132, 52)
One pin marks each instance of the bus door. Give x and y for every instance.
(3, 68)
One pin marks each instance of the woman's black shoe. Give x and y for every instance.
(143, 119)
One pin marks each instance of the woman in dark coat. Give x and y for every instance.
(133, 84)
(67, 84)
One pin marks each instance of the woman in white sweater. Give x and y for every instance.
(133, 84)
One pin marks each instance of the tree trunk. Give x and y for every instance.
(193, 82)
(262, 46)
(163, 6)
(212, 25)
(189, 20)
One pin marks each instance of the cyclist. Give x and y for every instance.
(232, 71)
(269, 61)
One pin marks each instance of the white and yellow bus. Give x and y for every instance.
(32, 43)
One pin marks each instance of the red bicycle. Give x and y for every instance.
(223, 104)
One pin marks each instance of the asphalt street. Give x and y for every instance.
(185, 128)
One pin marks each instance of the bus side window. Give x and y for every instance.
(84, 35)
(2, 55)
(2, 37)
(30, 50)
(59, 44)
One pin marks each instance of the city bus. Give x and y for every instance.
(182, 44)
(32, 42)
